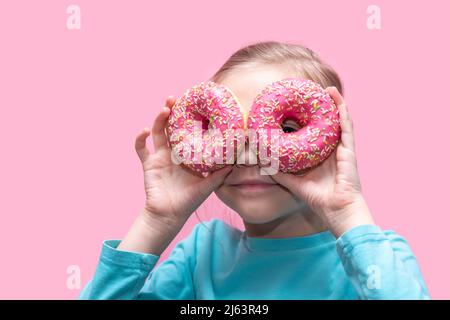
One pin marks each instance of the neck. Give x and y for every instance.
(297, 224)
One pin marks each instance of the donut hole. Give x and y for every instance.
(205, 122)
(290, 125)
(205, 125)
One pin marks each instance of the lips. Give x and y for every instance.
(253, 185)
(252, 182)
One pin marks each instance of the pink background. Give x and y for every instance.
(72, 101)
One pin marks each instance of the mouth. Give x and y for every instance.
(253, 185)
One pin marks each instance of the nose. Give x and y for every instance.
(247, 156)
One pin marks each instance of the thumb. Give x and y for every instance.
(287, 180)
(216, 178)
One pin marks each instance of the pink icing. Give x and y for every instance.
(303, 101)
(215, 106)
(312, 108)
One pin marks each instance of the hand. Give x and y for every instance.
(333, 189)
(173, 192)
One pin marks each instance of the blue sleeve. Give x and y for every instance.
(131, 275)
(380, 264)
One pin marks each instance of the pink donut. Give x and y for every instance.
(202, 124)
(312, 108)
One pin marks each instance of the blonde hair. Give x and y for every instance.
(305, 62)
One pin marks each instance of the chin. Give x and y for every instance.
(258, 207)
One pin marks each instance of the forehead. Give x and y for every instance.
(248, 80)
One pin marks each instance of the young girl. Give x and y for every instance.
(306, 237)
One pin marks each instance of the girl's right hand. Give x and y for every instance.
(173, 192)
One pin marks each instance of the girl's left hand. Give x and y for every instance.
(333, 189)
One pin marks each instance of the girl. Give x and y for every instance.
(306, 237)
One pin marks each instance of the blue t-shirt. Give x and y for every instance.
(217, 261)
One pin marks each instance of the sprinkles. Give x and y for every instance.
(211, 104)
(216, 109)
(299, 100)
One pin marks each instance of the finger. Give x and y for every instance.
(335, 94)
(158, 129)
(347, 133)
(170, 101)
(287, 180)
(140, 144)
(216, 178)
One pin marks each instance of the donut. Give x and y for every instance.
(312, 108)
(206, 127)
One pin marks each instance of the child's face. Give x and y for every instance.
(256, 198)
